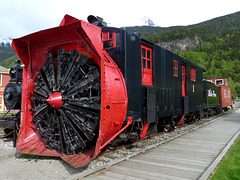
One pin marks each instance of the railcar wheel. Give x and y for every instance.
(66, 102)
(173, 123)
(166, 124)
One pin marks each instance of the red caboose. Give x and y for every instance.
(224, 92)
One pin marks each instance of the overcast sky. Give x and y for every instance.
(22, 17)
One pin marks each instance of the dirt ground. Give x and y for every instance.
(20, 166)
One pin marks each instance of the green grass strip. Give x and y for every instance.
(229, 168)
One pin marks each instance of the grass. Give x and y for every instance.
(230, 165)
(29, 157)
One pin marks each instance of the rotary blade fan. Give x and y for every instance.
(67, 101)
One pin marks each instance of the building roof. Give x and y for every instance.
(3, 69)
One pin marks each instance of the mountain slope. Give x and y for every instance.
(9, 62)
(6, 52)
(146, 31)
(219, 25)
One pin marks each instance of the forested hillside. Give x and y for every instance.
(220, 56)
(213, 45)
(9, 62)
(6, 53)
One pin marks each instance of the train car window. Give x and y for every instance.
(228, 94)
(226, 82)
(225, 94)
(149, 65)
(219, 82)
(108, 44)
(110, 35)
(193, 74)
(143, 52)
(175, 68)
(144, 63)
(110, 39)
(146, 53)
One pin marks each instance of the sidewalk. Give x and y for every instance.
(190, 156)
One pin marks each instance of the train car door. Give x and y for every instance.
(147, 73)
(183, 80)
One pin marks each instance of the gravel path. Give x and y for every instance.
(19, 166)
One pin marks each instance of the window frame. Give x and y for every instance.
(108, 36)
(193, 74)
(175, 68)
(217, 82)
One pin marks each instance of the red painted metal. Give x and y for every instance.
(146, 61)
(68, 20)
(86, 38)
(181, 120)
(183, 80)
(144, 130)
(219, 81)
(175, 68)
(55, 100)
(225, 96)
(193, 74)
(110, 37)
(80, 35)
(5, 81)
(128, 123)
(114, 100)
(224, 91)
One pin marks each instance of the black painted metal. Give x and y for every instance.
(169, 100)
(15, 72)
(13, 91)
(185, 105)
(133, 76)
(210, 94)
(128, 58)
(165, 102)
(72, 127)
(151, 104)
(96, 20)
(13, 95)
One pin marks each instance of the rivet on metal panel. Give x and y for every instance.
(116, 123)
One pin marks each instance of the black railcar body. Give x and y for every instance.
(211, 98)
(164, 97)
